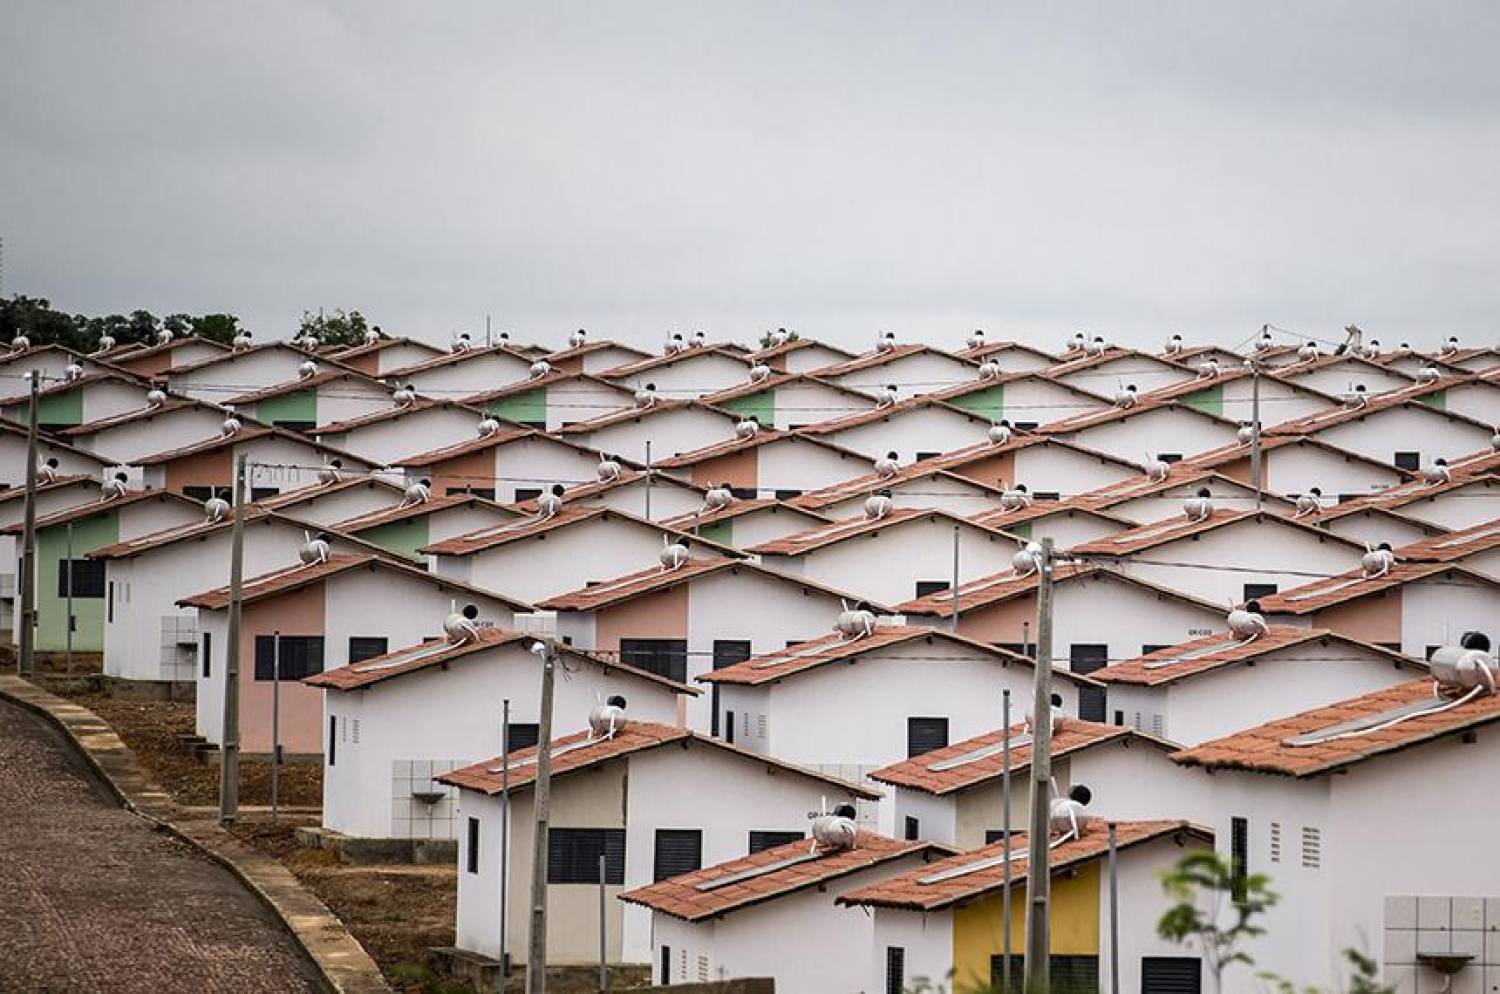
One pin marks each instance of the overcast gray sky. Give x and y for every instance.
(1130, 169)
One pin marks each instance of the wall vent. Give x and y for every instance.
(1312, 847)
(1276, 842)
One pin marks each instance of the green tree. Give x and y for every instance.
(336, 328)
(38, 320)
(1201, 884)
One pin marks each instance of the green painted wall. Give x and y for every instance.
(300, 406)
(528, 408)
(761, 406)
(59, 409)
(1438, 400)
(1210, 401)
(1023, 529)
(988, 403)
(401, 537)
(720, 531)
(52, 610)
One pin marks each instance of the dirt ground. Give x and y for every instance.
(151, 730)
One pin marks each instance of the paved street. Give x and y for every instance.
(92, 898)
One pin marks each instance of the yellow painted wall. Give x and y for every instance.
(1075, 926)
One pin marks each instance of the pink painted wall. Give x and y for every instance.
(298, 612)
(738, 469)
(206, 469)
(990, 472)
(662, 615)
(1000, 622)
(1370, 619)
(474, 470)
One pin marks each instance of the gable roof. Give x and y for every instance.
(443, 653)
(650, 581)
(1159, 533)
(876, 358)
(1323, 593)
(764, 436)
(661, 405)
(393, 412)
(835, 532)
(1224, 649)
(449, 358)
(945, 884)
(815, 653)
(506, 434)
(738, 508)
(1008, 584)
(594, 345)
(769, 874)
(1377, 404)
(651, 362)
(63, 481)
(553, 378)
(248, 433)
(793, 345)
(318, 379)
(171, 405)
(1267, 748)
(234, 355)
(922, 401)
(1455, 545)
(981, 759)
(1144, 404)
(405, 512)
(1236, 451)
(80, 512)
(383, 343)
(505, 533)
(580, 751)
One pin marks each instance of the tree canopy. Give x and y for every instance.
(36, 318)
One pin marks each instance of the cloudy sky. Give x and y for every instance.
(1129, 169)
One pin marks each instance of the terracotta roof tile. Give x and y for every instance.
(450, 358)
(876, 358)
(580, 751)
(981, 759)
(874, 414)
(834, 648)
(1267, 748)
(405, 512)
(440, 652)
(390, 414)
(930, 887)
(1322, 593)
(88, 510)
(991, 589)
(1213, 652)
(840, 531)
(1456, 545)
(634, 584)
(660, 406)
(738, 508)
(1158, 533)
(505, 435)
(658, 361)
(1143, 405)
(512, 531)
(692, 896)
(305, 383)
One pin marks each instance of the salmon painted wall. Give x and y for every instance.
(1240, 470)
(298, 612)
(738, 469)
(469, 471)
(1000, 622)
(991, 471)
(150, 365)
(1370, 619)
(662, 615)
(369, 363)
(206, 469)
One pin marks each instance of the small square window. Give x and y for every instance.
(926, 588)
(923, 735)
(1408, 460)
(1254, 591)
(1169, 457)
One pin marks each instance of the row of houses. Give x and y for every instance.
(791, 581)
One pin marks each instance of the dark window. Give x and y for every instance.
(729, 727)
(333, 739)
(573, 855)
(1392, 646)
(726, 653)
(1025, 425)
(664, 657)
(471, 852)
(925, 734)
(895, 970)
(1066, 974)
(1149, 648)
(1239, 855)
(527, 493)
(52, 427)
(745, 493)
(1408, 460)
(770, 840)
(1169, 457)
(666, 965)
(488, 493)
(208, 655)
(1348, 497)
(926, 588)
(198, 493)
(1254, 590)
(993, 835)
(301, 655)
(111, 601)
(87, 577)
(1019, 648)
(362, 647)
(524, 735)
(1048, 495)
(1171, 975)
(538, 425)
(927, 455)
(787, 494)
(1086, 658)
(302, 426)
(1119, 717)
(1429, 651)
(912, 829)
(264, 493)
(678, 851)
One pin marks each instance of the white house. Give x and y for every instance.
(145, 430)
(1293, 464)
(800, 355)
(462, 374)
(787, 401)
(1407, 434)
(743, 523)
(309, 400)
(392, 431)
(408, 528)
(916, 428)
(849, 705)
(691, 801)
(913, 369)
(553, 400)
(386, 355)
(773, 914)
(768, 463)
(507, 465)
(686, 374)
(70, 460)
(1166, 430)
(389, 723)
(594, 357)
(222, 375)
(658, 430)
(1211, 686)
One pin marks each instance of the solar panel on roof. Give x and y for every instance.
(975, 755)
(756, 871)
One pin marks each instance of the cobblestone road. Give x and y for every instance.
(93, 898)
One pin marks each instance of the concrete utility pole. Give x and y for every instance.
(504, 835)
(1114, 915)
(955, 580)
(541, 796)
(275, 726)
(27, 620)
(1038, 865)
(229, 749)
(1005, 834)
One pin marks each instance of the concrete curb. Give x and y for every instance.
(343, 962)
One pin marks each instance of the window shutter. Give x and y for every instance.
(678, 851)
(925, 734)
